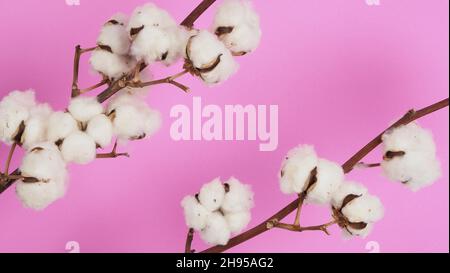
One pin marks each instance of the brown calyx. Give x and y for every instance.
(342, 220)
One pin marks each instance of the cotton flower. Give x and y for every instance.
(60, 125)
(132, 118)
(84, 108)
(36, 125)
(79, 148)
(329, 177)
(216, 231)
(237, 221)
(212, 195)
(100, 129)
(355, 209)
(114, 35)
(195, 214)
(14, 110)
(237, 25)
(238, 198)
(209, 59)
(110, 65)
(44, 162)
(410, 156)
(149, 15)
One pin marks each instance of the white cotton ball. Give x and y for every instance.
(44, 162)
(237, 221)
(150, 15)
(109, 64)
(84, 108)
(79, 148)
(414, 169)
(204, 50)
(132, 117)
(194, 213)
(60, 125)
(410, 137)
(115, 35)
(238, 198)
(345, 189)
(296, 169)
(216, 231)
(36, 125)
(349, 232)
(14, 109)
(100, 128)
(237, 25)
(212, 194)
(154, 44)
(366, 208)
(329, 176)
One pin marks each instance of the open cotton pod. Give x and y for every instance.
(100, 128)
(36, 125)
(79, 148)
(114, 35)
(216, 230)
(60, 125)
(195, 213)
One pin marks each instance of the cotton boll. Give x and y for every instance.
(346, 189)
(60, 125)
(410, 137)
(115, 35)
(366, 208)
(132, 118)
(100, 128)
(210, 58)
(212, 195)
(109, 64)
(85, 108)
(238, 198)
(349, 233)
(150, 15)
(44, 162)
(14, 109)
(216, 231)
(329, 177)
(237, 221)
(237, 25)
(36, 125)
(195, 214)
(296, 169)
(79, 148)
(414, 169)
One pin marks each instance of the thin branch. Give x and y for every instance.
(5, 184)
(363, 165)
(195, 14)
(296, 228)
(190, 237)
(95, 86)
(113, 153)
(301, 198)
(10, 155)
(76, 67)
(347, 166)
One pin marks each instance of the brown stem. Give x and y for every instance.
(113, 153)
(347, 166)
(5, 184)
(25, 179)
(190, 237)
(10, 155)
(76, 67)
(199, 10)
(169, 80)
(301, 198)
(367, 165)
(296, 228)
(82, 91)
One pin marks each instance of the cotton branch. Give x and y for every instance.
(190, 237)
(76, 67)
(113, 153)
(348, 166)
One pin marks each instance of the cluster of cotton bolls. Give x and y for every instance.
(409, 156)
(219, 210)
(151, 35)
(53, 138)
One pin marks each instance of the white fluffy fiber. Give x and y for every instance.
(133, 118)
(364, 208)
(150, 15)
(238, 198)
(329, 177)
(212, 194)
(216, 231)
(115, 35)
(237, 221)
(14, 109)
(100, 129)
(240, 15)
(204, 49)
(296, 168)
(60, 125)
(36, 125)
(109, 64)
(84, 108)
(44, 162)
(195, 214)
(419, 166)
(79, 148)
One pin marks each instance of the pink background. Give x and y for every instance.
(339, 70)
